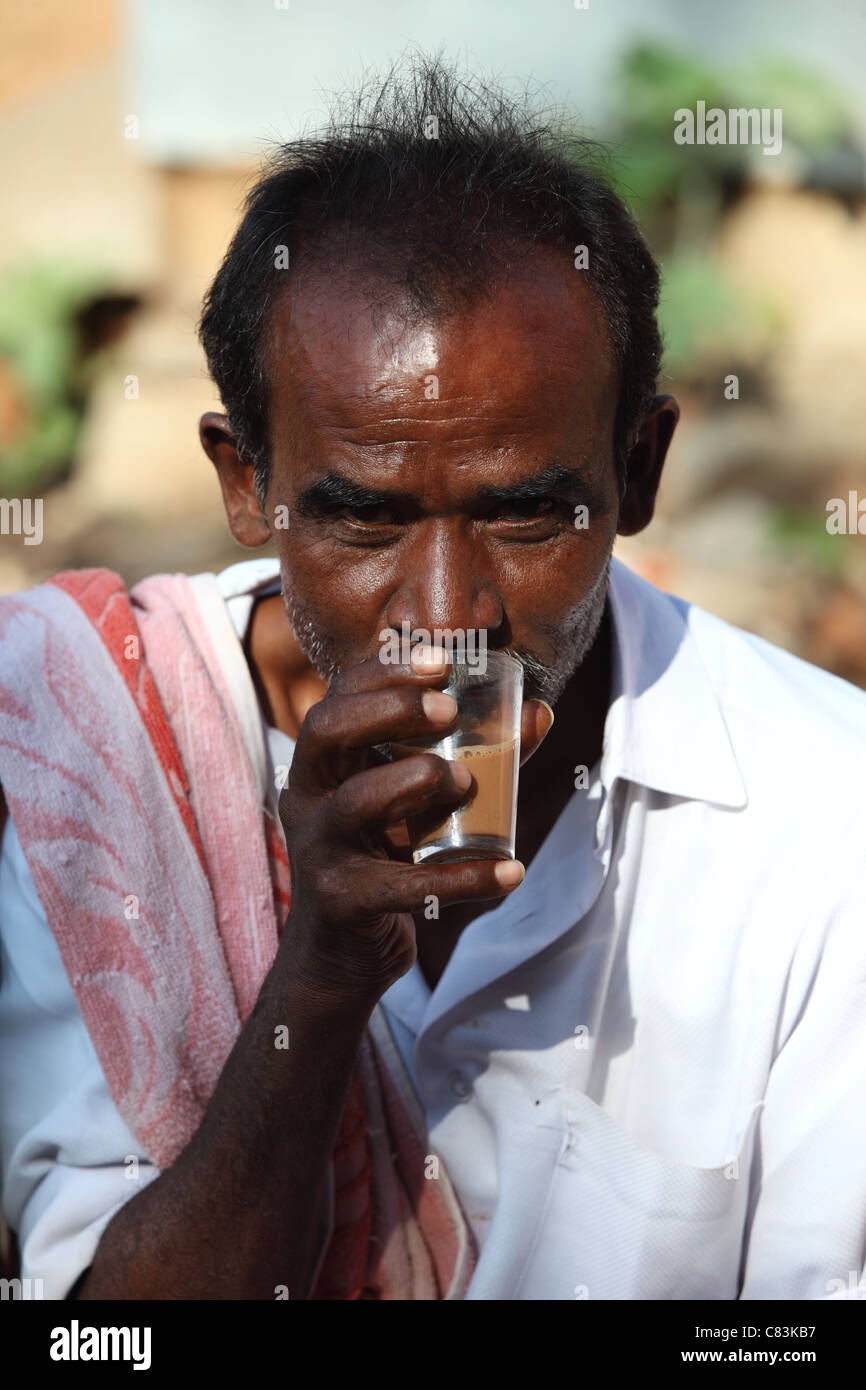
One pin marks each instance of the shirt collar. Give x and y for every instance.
(248, 576)
(665, 728)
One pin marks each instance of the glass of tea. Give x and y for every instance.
(486, 739)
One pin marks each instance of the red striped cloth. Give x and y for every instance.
(127, 770)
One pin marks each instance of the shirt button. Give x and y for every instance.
(460, 1085)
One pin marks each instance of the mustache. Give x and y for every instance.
(540, 681)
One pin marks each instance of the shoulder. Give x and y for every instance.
(770, 694)
(797, 732)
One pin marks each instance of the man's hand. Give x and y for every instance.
(353, 894)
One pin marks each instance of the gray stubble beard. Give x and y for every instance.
(547, 682)
(541, 681)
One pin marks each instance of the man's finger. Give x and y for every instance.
(535, 724)
(337, 734)
(399, 888)
(381, 797)
(427, 666)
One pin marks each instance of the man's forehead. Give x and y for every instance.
(349, 346)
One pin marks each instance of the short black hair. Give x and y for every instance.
(435, 181)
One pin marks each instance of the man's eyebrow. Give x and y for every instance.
(333, 490)
(554, 478)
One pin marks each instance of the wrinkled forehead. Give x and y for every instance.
(349, 343)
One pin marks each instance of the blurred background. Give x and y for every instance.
(129, 133)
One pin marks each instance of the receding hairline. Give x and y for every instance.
(380, 291)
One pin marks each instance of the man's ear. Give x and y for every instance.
(248, 525)
(644, 465)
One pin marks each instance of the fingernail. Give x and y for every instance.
(508, 873)
(461, 775)
(428, 658)
(438, 707)
(548, 707)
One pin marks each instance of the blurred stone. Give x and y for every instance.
(140, 453)
(134, 550)
(130, 547)
(836, 636)
(806, 253)
(726, 531)
(724, 559)
(14, 575)
(779, 459)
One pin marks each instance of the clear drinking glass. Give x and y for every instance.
(486, 739)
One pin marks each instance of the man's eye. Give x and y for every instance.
(525, 509)
(370, 516)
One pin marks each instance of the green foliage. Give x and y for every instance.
(39, 346)
(651, 83)
(677, 192)
(704, 316)
(806, 532)
(816, 115)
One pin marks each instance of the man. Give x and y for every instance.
(635, 1074)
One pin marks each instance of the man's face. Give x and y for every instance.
(431, 474)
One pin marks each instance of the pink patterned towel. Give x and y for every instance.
(124, 719)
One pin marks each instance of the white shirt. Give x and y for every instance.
(645, 1070)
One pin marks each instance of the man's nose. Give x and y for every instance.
(447, 583)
